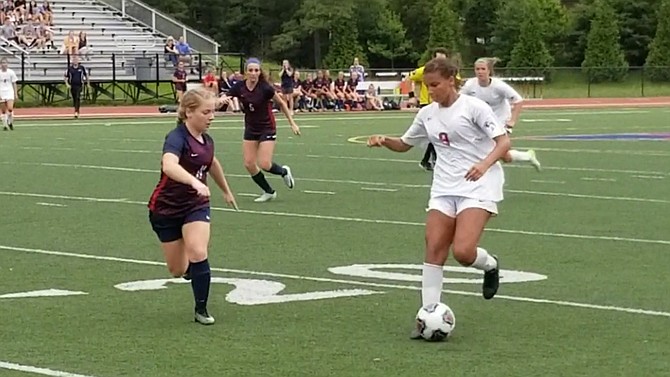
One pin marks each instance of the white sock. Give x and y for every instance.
(10, 117)
(518, 156)
(4, 120)
(431, 284)
(484, 261)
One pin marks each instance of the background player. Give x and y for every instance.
(75, 79)
(503, 99)
(424, 100)
(8, 93)
(468, 179)
(179, 206)
(260, 128)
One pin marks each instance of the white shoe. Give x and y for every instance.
(266, 197)
(288, 178)
(534, 161)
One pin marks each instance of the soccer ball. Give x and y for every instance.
(435, 322)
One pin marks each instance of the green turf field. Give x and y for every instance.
(590, 232)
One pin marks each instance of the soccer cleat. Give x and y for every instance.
(491, 281)
(203, 318)
(11, 126)
(534, 161)
(288, 177)
(266, 197)
(426, 166)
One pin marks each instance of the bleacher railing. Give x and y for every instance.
(164, 24)
(138, 65)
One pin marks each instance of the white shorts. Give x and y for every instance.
(453, 205)
(6, 96)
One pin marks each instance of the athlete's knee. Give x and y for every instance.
(177, 268)
(196, 252)
(265, 163)
(465, 252)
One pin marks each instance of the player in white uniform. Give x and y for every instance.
(8, 93)
(467, 181)
(503, 99)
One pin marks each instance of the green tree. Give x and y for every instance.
(604, 59)
(344, 45)
(658, 61)
(479, 26)
(389, 39)
(445, 30)
(552, 24)
(415, 15)
(530, 56)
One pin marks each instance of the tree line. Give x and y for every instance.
(604, 37)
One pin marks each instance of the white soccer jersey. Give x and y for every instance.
(463, 136)
(7, 80)
(498, 94)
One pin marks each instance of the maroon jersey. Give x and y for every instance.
(180, 75)
(351, 85)
(257, 103)
(340, 84)
(307, 85)
(320, 83)
(174, 199)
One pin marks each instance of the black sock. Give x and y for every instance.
(429, 152)
(276, 170)
(262, 182)
(201, 277)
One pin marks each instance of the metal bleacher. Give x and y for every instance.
(134, 32)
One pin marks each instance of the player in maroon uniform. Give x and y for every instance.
(260, 128)
(338, 89)
(179, 206)
(179, 78)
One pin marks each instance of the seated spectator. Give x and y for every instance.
(236, 77)
(210, 82)
(46, 33)
(20, 10)
(70, 44)
(296, 89)
(40, 38)
(34, 11)
(352, 96)
(47, 13)
(84, 50)
(184, 50)
(8, 31)
(28, 36)
(170, 51)
(372, 102)
(224, 84)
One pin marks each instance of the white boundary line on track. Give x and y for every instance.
(348, 219)
(343, 281)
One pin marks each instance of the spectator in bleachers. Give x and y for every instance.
(210, 81)
(8, 31)
(184, 50)
(34, 11)
(28, 36)
(179, 78)
(232, 103)
(46, 33)
(83, 49)
(70, 44)
(235, 78)
(358, 69)
(372, 102)
(47, 13)
(40, 38)
(20, 10)
(170, 51)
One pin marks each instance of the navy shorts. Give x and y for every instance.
(287, 89)
(168, 229)
(268, 135)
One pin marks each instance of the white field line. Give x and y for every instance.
(35, 370)
(342, 281)
(363, 183)
(318, 192)
(351, 219)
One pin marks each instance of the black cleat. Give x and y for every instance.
(425, 165)
(491, 281)
(11, 126)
